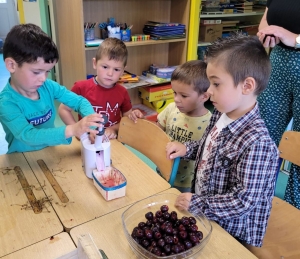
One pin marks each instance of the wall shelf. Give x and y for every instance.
(145, 43)
(202, 16)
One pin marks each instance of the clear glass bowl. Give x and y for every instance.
(136, 213)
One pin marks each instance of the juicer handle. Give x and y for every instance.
(102, 130)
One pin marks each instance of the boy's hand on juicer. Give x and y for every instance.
(183, 201)
(92, 137)
(175, 149)
(84, 125)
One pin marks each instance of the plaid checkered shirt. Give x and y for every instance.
(239, 177)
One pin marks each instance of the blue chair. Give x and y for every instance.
(149, 139)
(282, 235)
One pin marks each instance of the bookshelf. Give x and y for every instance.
(253, 18)
(68, 17)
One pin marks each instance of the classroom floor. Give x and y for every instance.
(4, 75)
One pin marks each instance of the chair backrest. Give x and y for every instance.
(282, 238)
(149, 139)
(289, 147)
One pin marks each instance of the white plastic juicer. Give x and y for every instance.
(95, 155)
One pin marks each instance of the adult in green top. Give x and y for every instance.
(27, 110)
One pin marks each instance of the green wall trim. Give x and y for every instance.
(45, 24)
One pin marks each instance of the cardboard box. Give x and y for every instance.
(158, 106)
(156, 93)
(210, 32)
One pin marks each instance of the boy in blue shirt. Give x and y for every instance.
(236, 160)
(27, 110)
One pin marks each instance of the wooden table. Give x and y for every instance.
(107, 232)
(20, 226)
(85, 202)
(52, 248)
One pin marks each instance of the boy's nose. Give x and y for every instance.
(110, 72)
(209, 91)
(43, 77)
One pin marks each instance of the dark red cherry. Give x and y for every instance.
(167, 248)
(149, 223)
(176, 240)
(175, 231)
(173, 213)
(183, 234)
(161, 242)
(156, 251)
(145, 243)
(149, 215)
(158, 214)
(164, 208)
(148, 233)
(169, 240)
(199, 234)
(153, 243)
(157, 235)
(155, 229)
(194, 239)
(192, 220)
(141, 225)
(193, 228)
(169, 230)
(161, 220)
(187, 244)
(139, 233)
(185, 221)
(181, 228)
(175, 249)
(166, 215)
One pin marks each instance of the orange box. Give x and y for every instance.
(156, 93)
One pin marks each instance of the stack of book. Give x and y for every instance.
(228, 8)
(244, 7)
(210, 6)
(164, 31)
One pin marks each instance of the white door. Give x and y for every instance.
(8, 16)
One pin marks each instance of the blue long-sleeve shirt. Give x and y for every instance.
(29, 124)
(239, 177)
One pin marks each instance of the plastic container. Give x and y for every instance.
(136, 214)
(114, 35)
(89, 34)
(111, 183)
(165, 72)
(125, 35)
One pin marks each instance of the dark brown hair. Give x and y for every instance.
(242, 56)
(27, 43)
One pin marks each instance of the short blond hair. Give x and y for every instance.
(114, 49)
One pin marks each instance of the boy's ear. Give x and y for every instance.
(205, 96)
(10, 64)
(249, 86)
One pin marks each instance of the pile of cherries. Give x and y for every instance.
(164, 234)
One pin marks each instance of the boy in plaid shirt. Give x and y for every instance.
(236, 160)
